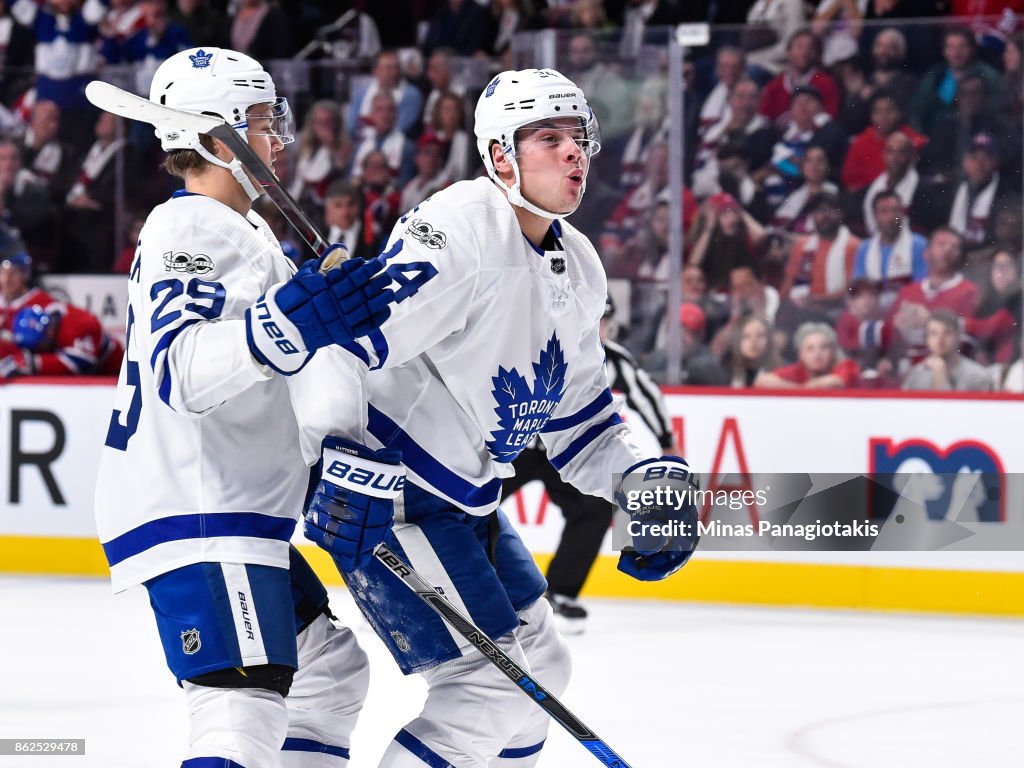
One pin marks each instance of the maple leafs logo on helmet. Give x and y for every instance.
(491, 86)
(200, 59)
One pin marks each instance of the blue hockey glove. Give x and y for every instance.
(663, 523)
(311, 310)
(353, 505)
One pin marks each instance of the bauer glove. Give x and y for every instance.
(663, 532)
(312, 310)
(353, 506)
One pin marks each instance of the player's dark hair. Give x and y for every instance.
(181, 162)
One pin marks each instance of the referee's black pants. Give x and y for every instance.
(586, 520)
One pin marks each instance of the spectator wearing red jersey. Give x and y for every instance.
(996, 325)
(803, 59)
(862, 333)
(865, 158)
(820, 265)
(64, 341)
(945, 368)
(820, 364)
(944, 287)
(16, 290)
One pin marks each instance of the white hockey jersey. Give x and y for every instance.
(491, 342)
(202, 458)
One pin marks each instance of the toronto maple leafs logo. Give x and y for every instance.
(491, 86)
(200, 59)
(523, 412)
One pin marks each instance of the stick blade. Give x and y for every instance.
(112, 99)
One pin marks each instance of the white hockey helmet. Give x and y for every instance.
(517, 98)
(221, 82)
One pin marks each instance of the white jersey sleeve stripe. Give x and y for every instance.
(158, 361)
(595, 406)
(581, 442)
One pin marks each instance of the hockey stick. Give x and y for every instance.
(523, 680)
(112, 99)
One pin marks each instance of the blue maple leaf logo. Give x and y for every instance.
(522, 411)
(200, 59)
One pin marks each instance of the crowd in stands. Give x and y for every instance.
(852, 180)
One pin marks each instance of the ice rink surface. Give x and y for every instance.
(667, 685)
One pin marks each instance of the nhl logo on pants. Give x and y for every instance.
(190, 641)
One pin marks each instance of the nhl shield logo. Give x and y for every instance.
(401, 642)
(557, 265)
(190, 642)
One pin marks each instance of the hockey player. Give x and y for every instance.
(66, 340)
(202, 476)
(16, 289)
(492, 340)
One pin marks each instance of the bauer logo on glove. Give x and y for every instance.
(658, 532)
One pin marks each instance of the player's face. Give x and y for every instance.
(260, 134)
(553, 163)
(12, 282)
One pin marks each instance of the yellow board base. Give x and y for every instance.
(988, 593)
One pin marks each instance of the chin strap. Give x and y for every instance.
(236, 168)
(515, 195)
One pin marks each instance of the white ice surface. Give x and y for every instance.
(667, 685)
